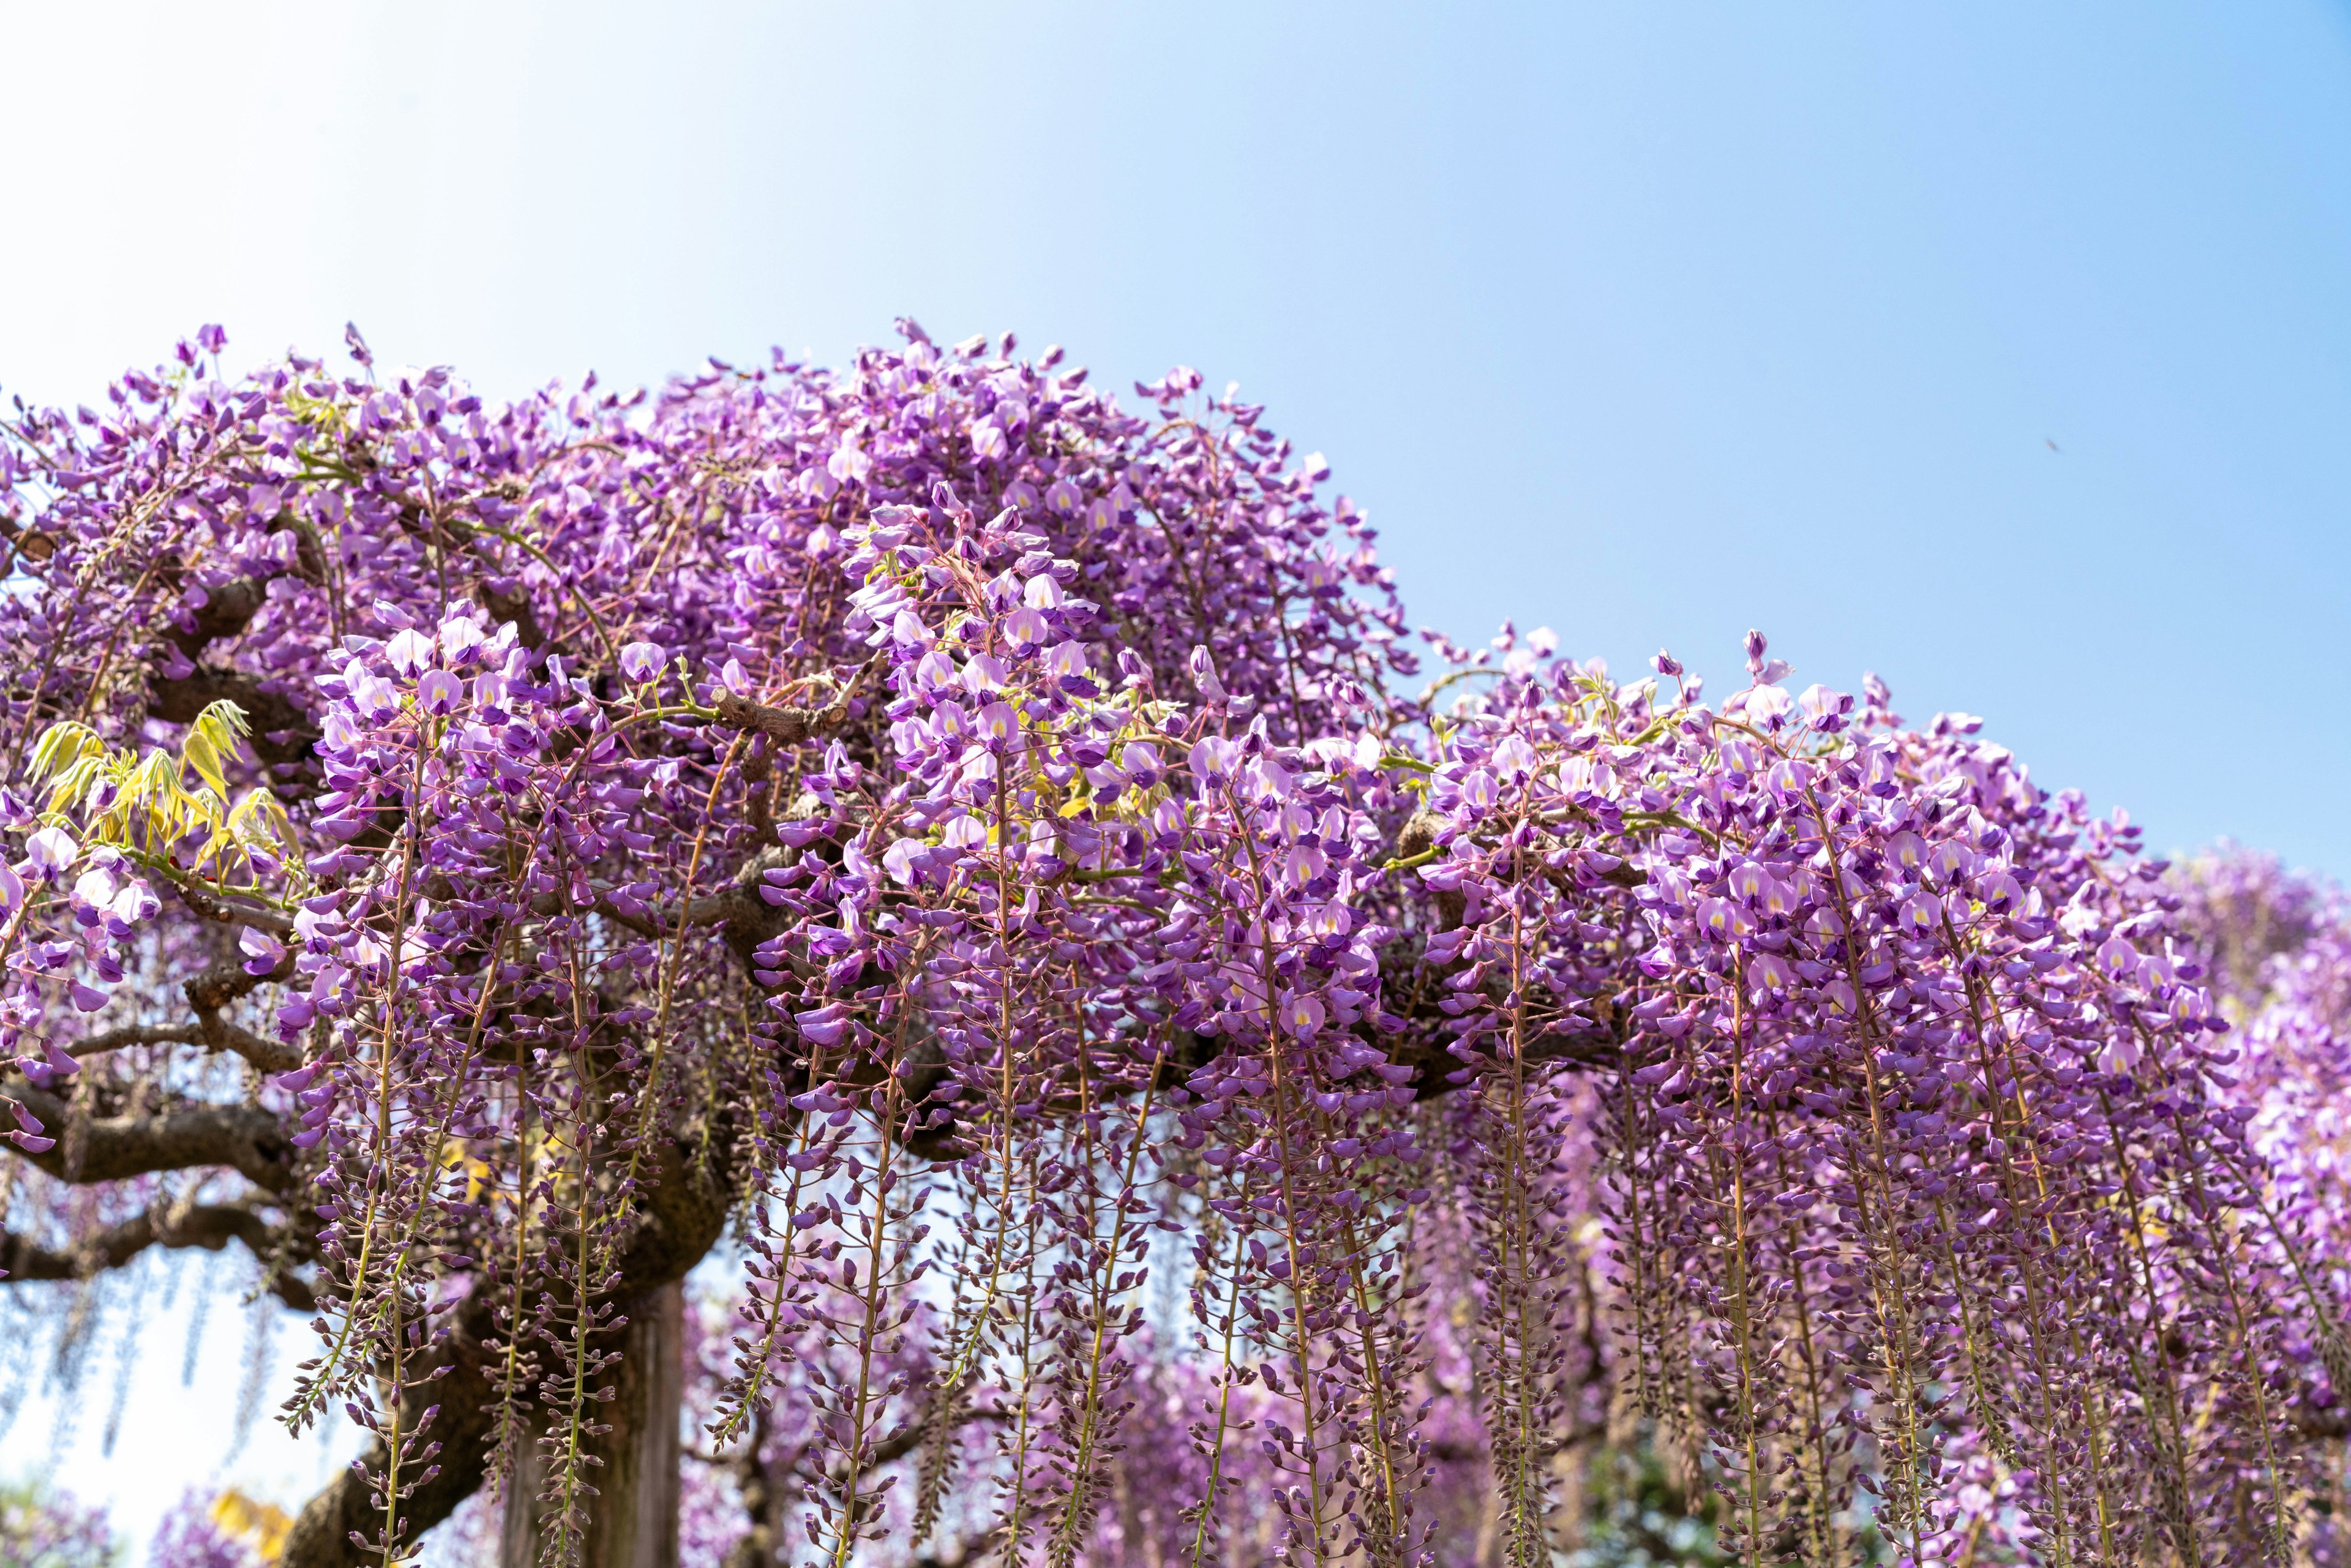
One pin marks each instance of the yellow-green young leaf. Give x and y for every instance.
(154, 788)
(212, 738)
(259, 819)
(199, 753)
(154, 777)
(62, 744)
(78, 777)
(225, 723)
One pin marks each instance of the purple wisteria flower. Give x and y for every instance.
(1159, 1093)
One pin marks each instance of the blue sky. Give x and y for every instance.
(2004, 349)
(1646, 323)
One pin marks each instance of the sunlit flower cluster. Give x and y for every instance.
(966, 852)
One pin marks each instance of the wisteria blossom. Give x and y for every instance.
(976, 859)
(42, 1527)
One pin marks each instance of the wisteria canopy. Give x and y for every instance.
(978, 865)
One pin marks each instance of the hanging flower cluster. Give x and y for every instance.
(958, 837)
(41, 1525)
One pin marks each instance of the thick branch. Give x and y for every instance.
(98, 1044)
(788, 726)
(244, 1138)
(270, 713)
(213, 1032)
(211, 1226)
(515, 607)
(228, 609)
(941, 1136)
(224, 983)
(207, 993)
(26, 542)
(791, 725)
(269, 1055)
(210, 905)
(749, 920)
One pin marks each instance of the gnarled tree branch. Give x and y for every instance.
(210, 1226)
(791, 725)
(244, 1138)
(212, 906)
(224, 983)
(270, 713)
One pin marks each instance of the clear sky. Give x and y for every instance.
(2002, 349)
(1649, 323)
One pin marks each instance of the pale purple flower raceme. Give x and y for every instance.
(955, 842)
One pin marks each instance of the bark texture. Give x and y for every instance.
(632, 1520)
(683, 1212)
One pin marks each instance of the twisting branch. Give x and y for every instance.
(282, 731)
(244, 1138)
(227, 610)
(98, 1044)
(208, 995)
(224, 983)
(210, 1226)
(791, 725)
(212, 906)
(211, 1031)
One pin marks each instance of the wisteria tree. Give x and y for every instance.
(974, 865)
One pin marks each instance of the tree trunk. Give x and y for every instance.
(632, 1518)
(679, 1219)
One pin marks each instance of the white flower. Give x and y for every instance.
(49, 851)
(409, 651)
(461, 638)
(1514, 758)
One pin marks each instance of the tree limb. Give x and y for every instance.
(244, 1138)
(211, 1226)
(228, 609)
(98, 1044)
(210, 906)
(791, 725)
(213, 1032)
(224, 983)
(270, 713)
